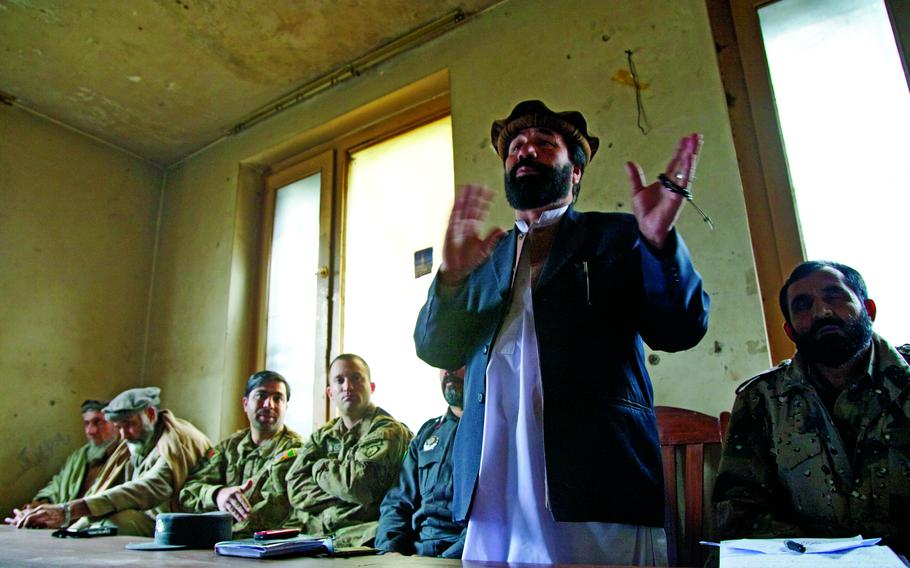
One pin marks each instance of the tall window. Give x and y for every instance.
(844, 110)
(818, 100)
(399, 196)
(351, 238)
(293, 334)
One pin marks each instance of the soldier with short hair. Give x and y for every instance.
(820, 445)
(244, 474)
(82, 466)
(337, 482)
(143, 476)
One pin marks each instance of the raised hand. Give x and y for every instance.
(655, 207)
(465, 249)
(232, 500)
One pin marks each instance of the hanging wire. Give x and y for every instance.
(642, 121)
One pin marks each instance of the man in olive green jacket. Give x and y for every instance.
(244, 474)
(82, 466)
(340, 477)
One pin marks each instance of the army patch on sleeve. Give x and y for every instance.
(371, 450)
(289, 454)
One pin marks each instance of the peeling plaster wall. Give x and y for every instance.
(77, 233)
(562, 52)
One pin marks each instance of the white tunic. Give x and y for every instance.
(510, 520)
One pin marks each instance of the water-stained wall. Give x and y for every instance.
(77, 232)
(572, 54)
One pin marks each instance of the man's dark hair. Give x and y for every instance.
(256, 379)
(578, 158)
(853, 279)
(353, 357)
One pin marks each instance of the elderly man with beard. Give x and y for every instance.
(82, 466)
(820, 445)
(143, 476)
(416, 515)
(244, 474)
(557, 458)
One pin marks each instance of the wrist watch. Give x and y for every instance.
(67, 514)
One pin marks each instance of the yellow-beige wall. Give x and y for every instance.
(83, 275)
(562, 52)
(77, 234)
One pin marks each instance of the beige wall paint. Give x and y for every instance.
(562, 52)
(77, 234)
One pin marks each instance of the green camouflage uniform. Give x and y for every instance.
(233, 462)
(70, 482)
(787, 468)
(338, 481)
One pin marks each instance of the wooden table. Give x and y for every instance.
(35, 547)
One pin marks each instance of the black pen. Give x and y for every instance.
(795, 546)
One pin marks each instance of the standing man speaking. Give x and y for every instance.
(557, 457)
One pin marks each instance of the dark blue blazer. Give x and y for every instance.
(600, 292)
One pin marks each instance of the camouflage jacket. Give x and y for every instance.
(340, 477)
(234, 461)
(785, 469)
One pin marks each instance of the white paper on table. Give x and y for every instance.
(813, 545)
(865, 557)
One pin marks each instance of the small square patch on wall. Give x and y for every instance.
(423, 262)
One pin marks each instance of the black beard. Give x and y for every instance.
(534, 191)
(835, 350)
(454, 396)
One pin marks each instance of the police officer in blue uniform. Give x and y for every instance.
(416, 514)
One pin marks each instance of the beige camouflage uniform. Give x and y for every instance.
(234, 461)
(338, 481)
(786, 469)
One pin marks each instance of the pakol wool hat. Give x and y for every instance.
(534, 114)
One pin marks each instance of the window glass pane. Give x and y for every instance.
(290, 342)
(844, 110)
(399, 196)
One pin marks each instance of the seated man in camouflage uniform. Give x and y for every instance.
(344, 470)
(143, 476)
(416, 515)
(820, 445)
(244, 474)
(82, 466)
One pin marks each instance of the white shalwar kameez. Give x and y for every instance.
(509, 520)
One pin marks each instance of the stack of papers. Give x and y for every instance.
(855, 552)
(251, 548)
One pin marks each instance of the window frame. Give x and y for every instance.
(332, 158)
(773, 217)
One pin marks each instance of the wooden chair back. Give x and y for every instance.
(686, 433)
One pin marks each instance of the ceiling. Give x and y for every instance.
(163, 78)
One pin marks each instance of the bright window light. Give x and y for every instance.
(291, 335)
(399, 196)
(844, 110)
